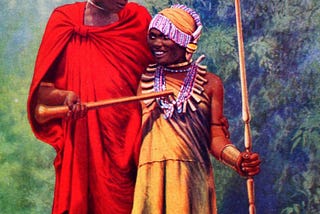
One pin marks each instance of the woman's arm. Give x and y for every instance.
(221, 146)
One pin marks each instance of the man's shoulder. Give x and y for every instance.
(68, 13)
(136, 8)
(135, 5)
(70, 6)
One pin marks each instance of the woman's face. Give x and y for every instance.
(165, 51)
(112, 5)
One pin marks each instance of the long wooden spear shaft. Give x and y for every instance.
(245, 104)
(45, 113)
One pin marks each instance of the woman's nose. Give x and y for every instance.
(157, 42)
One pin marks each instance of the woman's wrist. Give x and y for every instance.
(231, 156)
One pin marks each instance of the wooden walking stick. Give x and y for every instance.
(245, 104)
(45, 113)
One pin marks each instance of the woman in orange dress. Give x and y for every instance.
(175, 174)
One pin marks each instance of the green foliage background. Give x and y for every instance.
(282, 60)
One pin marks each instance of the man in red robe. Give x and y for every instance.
(92, 51)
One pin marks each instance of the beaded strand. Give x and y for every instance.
(177, 70)
(168, 106)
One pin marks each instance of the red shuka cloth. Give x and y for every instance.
(97, 155)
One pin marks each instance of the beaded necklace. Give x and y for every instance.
(168, 106)
(177, 70)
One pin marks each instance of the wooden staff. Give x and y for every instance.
(245, 104)
(45, 113)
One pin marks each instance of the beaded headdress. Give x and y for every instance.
(164, 25)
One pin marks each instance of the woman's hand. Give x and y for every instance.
(249, 164)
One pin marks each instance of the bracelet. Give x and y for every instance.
(230, 156)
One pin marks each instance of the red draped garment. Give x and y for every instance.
(96, 156)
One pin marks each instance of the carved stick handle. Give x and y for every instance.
(45, 113)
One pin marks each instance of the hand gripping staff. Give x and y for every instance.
(245, 104)
(45, 113)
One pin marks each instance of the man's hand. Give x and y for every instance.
(76, 109)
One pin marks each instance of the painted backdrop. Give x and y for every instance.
(283, 72)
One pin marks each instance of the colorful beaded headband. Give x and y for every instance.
(164, 25)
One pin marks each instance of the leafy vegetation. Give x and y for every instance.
(282, 62)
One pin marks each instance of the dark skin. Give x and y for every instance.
(96, 17)
(167, 52)
(93, 16)
(51, 96)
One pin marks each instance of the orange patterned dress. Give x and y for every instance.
(175, 174)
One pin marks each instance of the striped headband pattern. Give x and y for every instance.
(195, 17)
(164, 25)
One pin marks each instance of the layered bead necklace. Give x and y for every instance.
(168, 106)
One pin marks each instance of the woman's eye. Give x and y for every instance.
(166, 37)
(152, 36)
